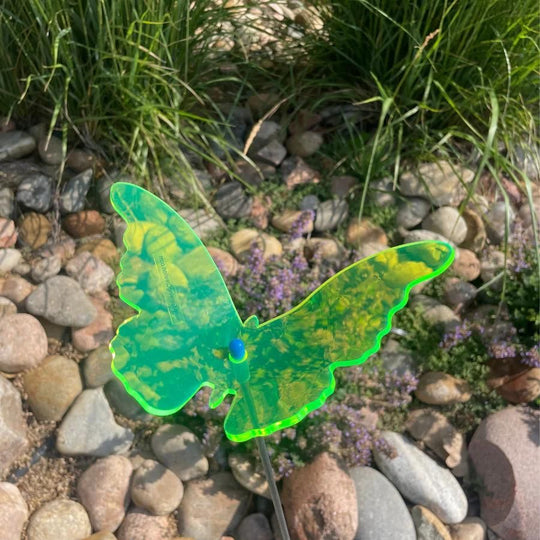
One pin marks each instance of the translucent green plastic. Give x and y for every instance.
(179, 340)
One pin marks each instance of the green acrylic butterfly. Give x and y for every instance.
(187, 331)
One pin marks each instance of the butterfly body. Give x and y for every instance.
(187, 333)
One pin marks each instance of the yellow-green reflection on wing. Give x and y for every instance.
(180, 339)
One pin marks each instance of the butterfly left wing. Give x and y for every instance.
(291, 358)
(178, 341)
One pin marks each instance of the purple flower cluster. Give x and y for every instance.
(301, 224)
(270, 287)
(340, 429)
(457, 335)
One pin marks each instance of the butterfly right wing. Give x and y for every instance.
(291, 358)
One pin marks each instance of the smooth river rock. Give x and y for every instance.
(89, 428)
(421, 480)
(382, 513)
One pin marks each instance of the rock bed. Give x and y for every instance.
(79, 456)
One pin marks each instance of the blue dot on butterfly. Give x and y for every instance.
(237, 350)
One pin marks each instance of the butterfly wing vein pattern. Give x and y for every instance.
(179, 340)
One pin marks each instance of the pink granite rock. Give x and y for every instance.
(320, 501)
(505, 452)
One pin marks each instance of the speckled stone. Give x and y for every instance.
(13, 511)
(103, 489)
(23, 342)
(60, 519)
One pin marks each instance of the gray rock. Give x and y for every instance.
(447, 222)
(458, 292)
(50, 150)
(7, 203)
(60, 519)
(255, 527)
(400, 362)
(528, 160)
(310, 202)
(382, 513)
(13, 511)
(201, 221)
(74, 192)
(46, 267)
(382, 193)
(16, 144)
(219, 497)
(419, 235)
(23, 342)
(35, 192)
(442, 182)
(156, 488)
(495, 220)
(304, 144)
(273, 153)
(330, 214)
(62, 301)
(267, 132)
(104, 184)
(434, 312)
(52, 387)
(9, 259)
(491, 265)
(179, 449)
(97, 367)
(412, 211)
(232, 202)
(89, 428)
(13, 441)
(103, 489)
(343, 185)
(122, 402)
(119, 228)
(421, 480)
(92, 273)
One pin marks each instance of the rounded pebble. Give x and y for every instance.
(23, 342)
(438, 388)
(13, 511)
(420, 479)
(156, 488)
(140, 524)
(179, 449)
(52, 387)
(103, 489)
(60, 519)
